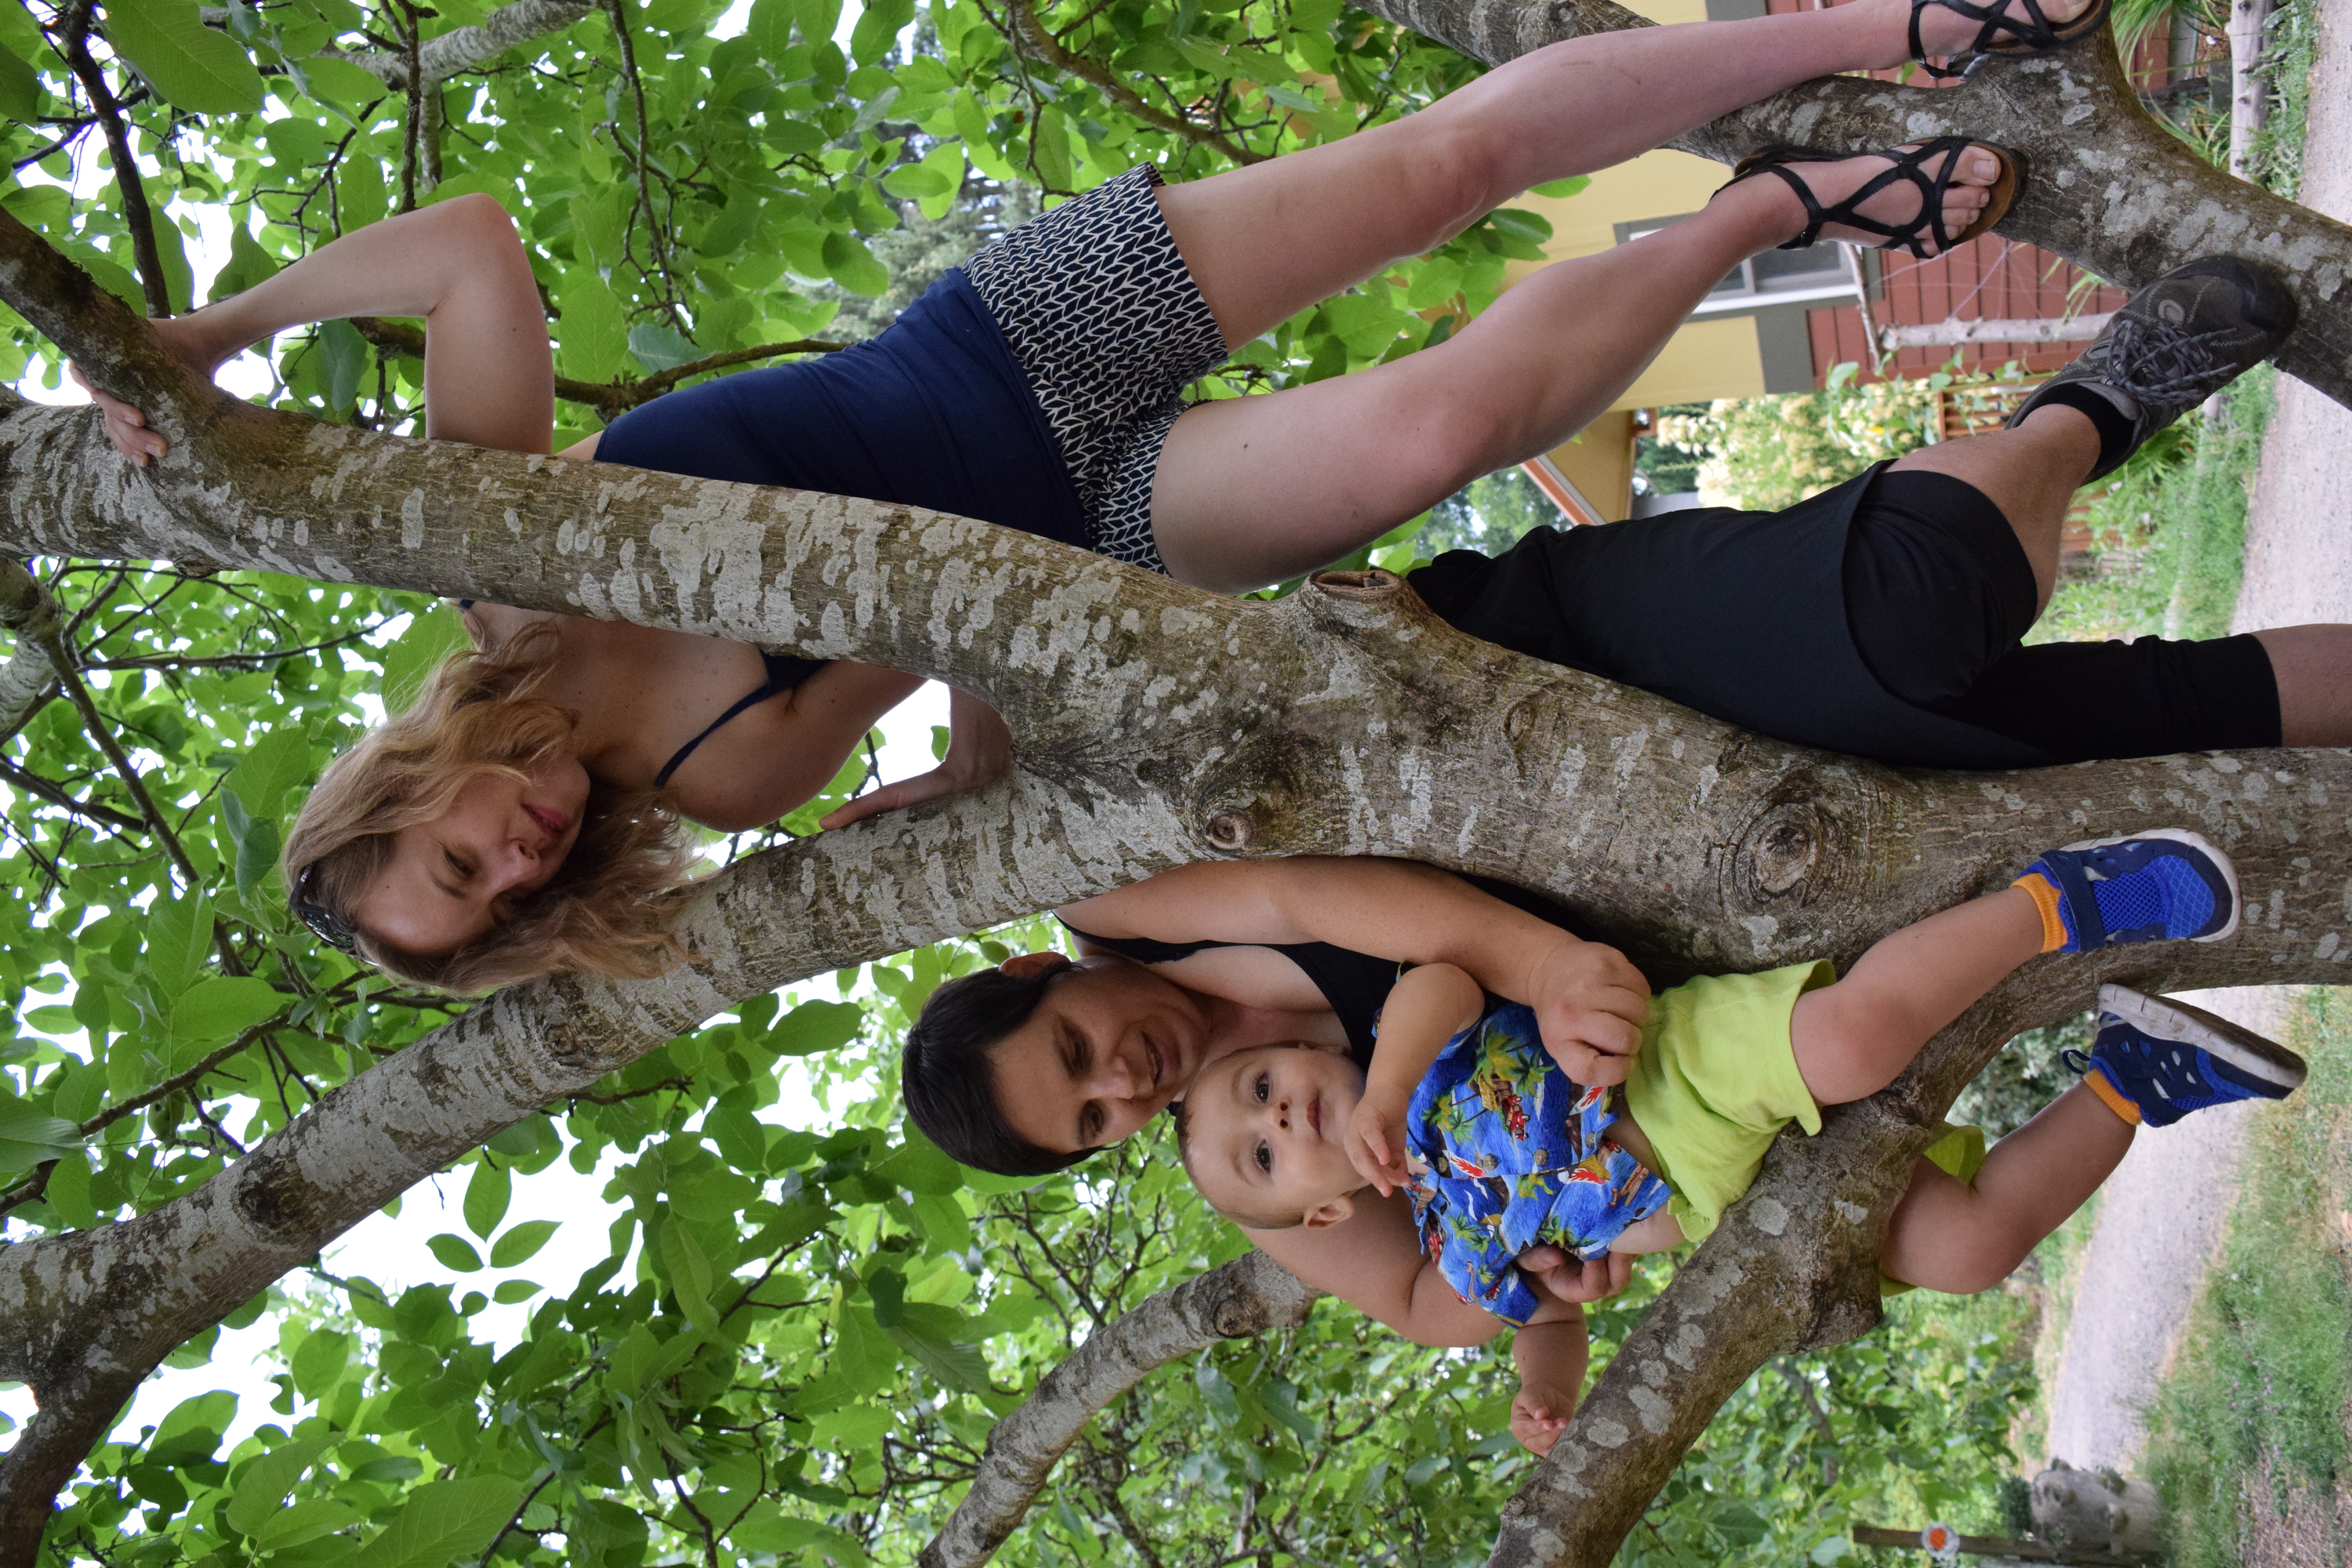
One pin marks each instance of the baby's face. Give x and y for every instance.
(1267, 1129)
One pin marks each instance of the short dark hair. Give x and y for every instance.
(950, 1084)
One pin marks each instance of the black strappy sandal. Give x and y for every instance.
(2032, 36)
(1929, 222)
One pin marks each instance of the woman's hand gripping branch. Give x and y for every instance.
(979, 751)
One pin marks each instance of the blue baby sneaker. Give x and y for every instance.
(2155, 1059)
(2165, 884)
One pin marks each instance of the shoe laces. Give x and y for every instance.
(2160, 363)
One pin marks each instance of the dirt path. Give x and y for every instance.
(2167, 1205)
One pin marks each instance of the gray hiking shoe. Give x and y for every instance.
(2182, 338)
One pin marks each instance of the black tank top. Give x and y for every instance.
(1355, 986)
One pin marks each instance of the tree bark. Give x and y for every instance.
(2106, 186)
(1249, 1295)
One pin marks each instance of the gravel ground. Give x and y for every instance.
(2164, 1210)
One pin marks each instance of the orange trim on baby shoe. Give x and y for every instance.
(2111, 1097)
(2044, 895)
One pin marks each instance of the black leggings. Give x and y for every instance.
(1880, 619)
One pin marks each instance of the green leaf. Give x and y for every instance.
(454, 1252)
(770, 28)
(222, 1005)
(688, 1271)
(521, 1242)
(267, 1481)
(432, 636)
(590, 334)
(1520, 224)
(307, 1520)
(487, 1195)
(192, 67)
(248, 264)
(346, 355)
(877, 28)
(20, 1125)
(441, 1522)
(852, 266)
(275, 762)
(766, 1527)
(659, 347)
(1557, 189)
(179, 943)
(20, 88)
(68, 1190)
(319, 1361)
(957, 1366)
(509, 1292)
(815, 1026)
(338, 82)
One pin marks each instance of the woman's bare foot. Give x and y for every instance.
(1833, 181)
(1945, 32)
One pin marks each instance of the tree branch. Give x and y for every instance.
(610, 399)
(136, 215)
(459, 50)
(26, 609)
(1031, 34)
(1247, 1296)
(59, 795)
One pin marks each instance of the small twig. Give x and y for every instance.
(617, 10)
(609, 397)
(136, 216)
(223, 660)
(56, 795)
(26, 609)
(26, 1191)
(1029, 31)
(412, 122)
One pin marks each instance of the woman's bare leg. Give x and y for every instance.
(1266, 241)
(1253, 489)
(1962, 1237)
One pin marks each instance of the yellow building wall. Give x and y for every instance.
(1704, 360)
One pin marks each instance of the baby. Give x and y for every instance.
(1500, 1151)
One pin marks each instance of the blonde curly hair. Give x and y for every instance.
(609, 907)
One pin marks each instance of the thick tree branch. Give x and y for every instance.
(2106, 186)
(459, 50)
(609, 398)
(1247, 1296)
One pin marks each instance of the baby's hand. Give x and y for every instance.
(1538, 1415)
(1376, 1142)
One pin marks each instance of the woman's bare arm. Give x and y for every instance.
(1589, 1000)
(489, 379)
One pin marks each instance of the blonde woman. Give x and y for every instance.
(1038, 386)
